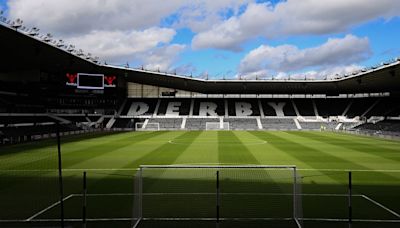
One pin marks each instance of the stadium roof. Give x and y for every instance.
(24, 52)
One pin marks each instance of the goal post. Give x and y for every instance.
(214, 126)
(217, 194)
(143, 126)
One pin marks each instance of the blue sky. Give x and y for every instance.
(224, 38)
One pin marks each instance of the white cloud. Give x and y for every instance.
(76, 17)
(328, 73)
(71, 17)
(161, 58)
(199, 15)
(335, 52)
(149, 48)
(119, 30)
(293, 17)
(185, 69)
(121, 45)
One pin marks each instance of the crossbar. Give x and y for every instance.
(219, 166)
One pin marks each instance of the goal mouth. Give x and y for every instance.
(217, 126)
(217, 193)
(146, 126)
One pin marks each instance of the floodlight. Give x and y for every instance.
(47, 37)
(71, 48)
(60, 43)
(88, 56)
(79, 52)
(17, 23)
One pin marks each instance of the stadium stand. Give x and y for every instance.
(278, 123)
(199, 123)
(385, 107)
(143, 107)
(124, 123)
(270, 107)
(318, 125)
(391, 127)
(242, 123)
(360, 106)
(305, 107)
(46, 92)
(167, 123)
(331, 107)
(203, 107)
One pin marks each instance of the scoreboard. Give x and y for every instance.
(90, 82)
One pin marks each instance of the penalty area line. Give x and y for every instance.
(381, 206)
(355, 170)
(48, 208)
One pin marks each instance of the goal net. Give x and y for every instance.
(245, 196)
(147, 126)
(217, 126)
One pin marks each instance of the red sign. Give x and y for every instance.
(71, 79)
(109, 81)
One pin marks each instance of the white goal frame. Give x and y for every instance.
(137, 215)
(142, 126)
(215, 126)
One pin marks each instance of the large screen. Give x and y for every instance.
(90, 81)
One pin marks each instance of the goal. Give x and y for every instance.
(229, 195)
(143, 126)
(217, 126)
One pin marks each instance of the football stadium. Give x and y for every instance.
(85, 143)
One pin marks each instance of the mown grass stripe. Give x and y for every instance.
(311, 156)
(262, 179)
(164, 154)
(351, 144)
(235, 153)
(83, 153)
(33, 145)
(87, 153)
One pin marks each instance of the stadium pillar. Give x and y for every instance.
(84, 201)
(217, 199)
(349, 201)
(60, 179)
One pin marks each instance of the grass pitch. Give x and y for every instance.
(29, 187)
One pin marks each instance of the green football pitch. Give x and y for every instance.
(29, 180)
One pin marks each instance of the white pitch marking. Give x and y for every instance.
(135, 169)
(213, 193)
(355, 220)
(182, 142)
(207, 219)
(48, 208)
(380, 205)
(354, 170)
